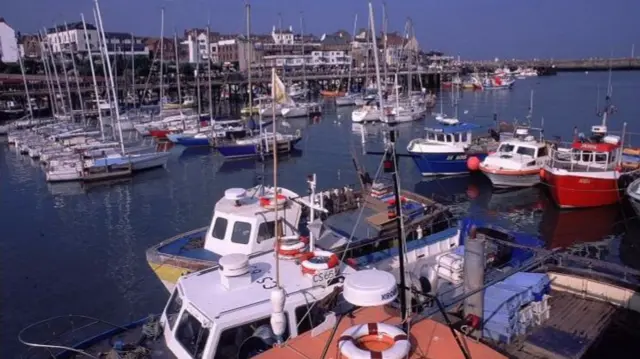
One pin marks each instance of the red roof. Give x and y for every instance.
(596, 147)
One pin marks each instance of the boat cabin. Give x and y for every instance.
(244, 220)
(600, 150)
(216, 313)
(456, 134)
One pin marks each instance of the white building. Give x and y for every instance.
(315, 58)
(71, 37)
(196, 44)
(9, 51)
(282, 36)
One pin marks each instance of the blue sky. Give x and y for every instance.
(474, 29)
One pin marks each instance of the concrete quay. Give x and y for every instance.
(592, 64)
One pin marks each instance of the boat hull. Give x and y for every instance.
(159, 133)
(253, 150)
(192, 142)
(506, 179)
(582, 189)
(63, 176)
(443, 164)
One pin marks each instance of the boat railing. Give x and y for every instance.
(565, 160)
(66, 335)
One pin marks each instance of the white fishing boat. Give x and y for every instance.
(517, 162)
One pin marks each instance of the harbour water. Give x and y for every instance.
(66, 249)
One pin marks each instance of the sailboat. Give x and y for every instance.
(260, 145)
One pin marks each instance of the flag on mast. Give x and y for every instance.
(278, 91)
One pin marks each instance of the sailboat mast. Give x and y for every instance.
(55, 69)
(161, 57)
(209, 95)
(355, 24)
(93, 74)
(304, 62)
(104, 75)
(113, 86)
(66, 77)
(75, 75)
(384, 39)
(249, 58)
(133, 71)
(375, 59)
(47, 73)
(26, 87)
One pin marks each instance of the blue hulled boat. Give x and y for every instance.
(449, 149)
(260, 145)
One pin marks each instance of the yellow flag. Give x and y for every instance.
(278, 91)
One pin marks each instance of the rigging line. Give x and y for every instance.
(353, 232)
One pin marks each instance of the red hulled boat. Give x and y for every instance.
(158, 133)
(587, 174)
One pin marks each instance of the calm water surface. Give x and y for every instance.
(69, 250)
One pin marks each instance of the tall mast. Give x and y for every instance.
(55, 70)
(105, 75)
(133, 71)
(175, 46)
(93, 74)
(47, 73)
(111, 80)
(375, 58)
(249, 58)
(75, 73)
(209, 95)
(384, 39)
(26, 87)
(355, 24)
(281, 44)
(161, 57)
(64, 72)
(304, 61)
(197, 73)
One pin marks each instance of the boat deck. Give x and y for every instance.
(574, 325)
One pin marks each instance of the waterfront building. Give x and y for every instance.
(71, 38)
(9, 50)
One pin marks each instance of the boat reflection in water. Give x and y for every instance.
(586, 233)
(231, 166)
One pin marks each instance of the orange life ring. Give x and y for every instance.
(313, 263)
(374, 340)
(270, 202)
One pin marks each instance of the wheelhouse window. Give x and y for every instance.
(431, 136)
(464, 136)
(191, 335)
(219, 228)
(543, 152)
(235, 341)
(241, 233)
(173, 308)
(506, 148)
(601, 157)
(440, 137)
(456, 137)
(526, 151)
(266, 230)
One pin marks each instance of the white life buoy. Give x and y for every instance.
(293, 248)
(318, 261)
(379, 340)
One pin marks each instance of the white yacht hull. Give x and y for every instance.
(149, 161)
(365, 116)
(292, 112)
(63, 175)
(345, 101)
